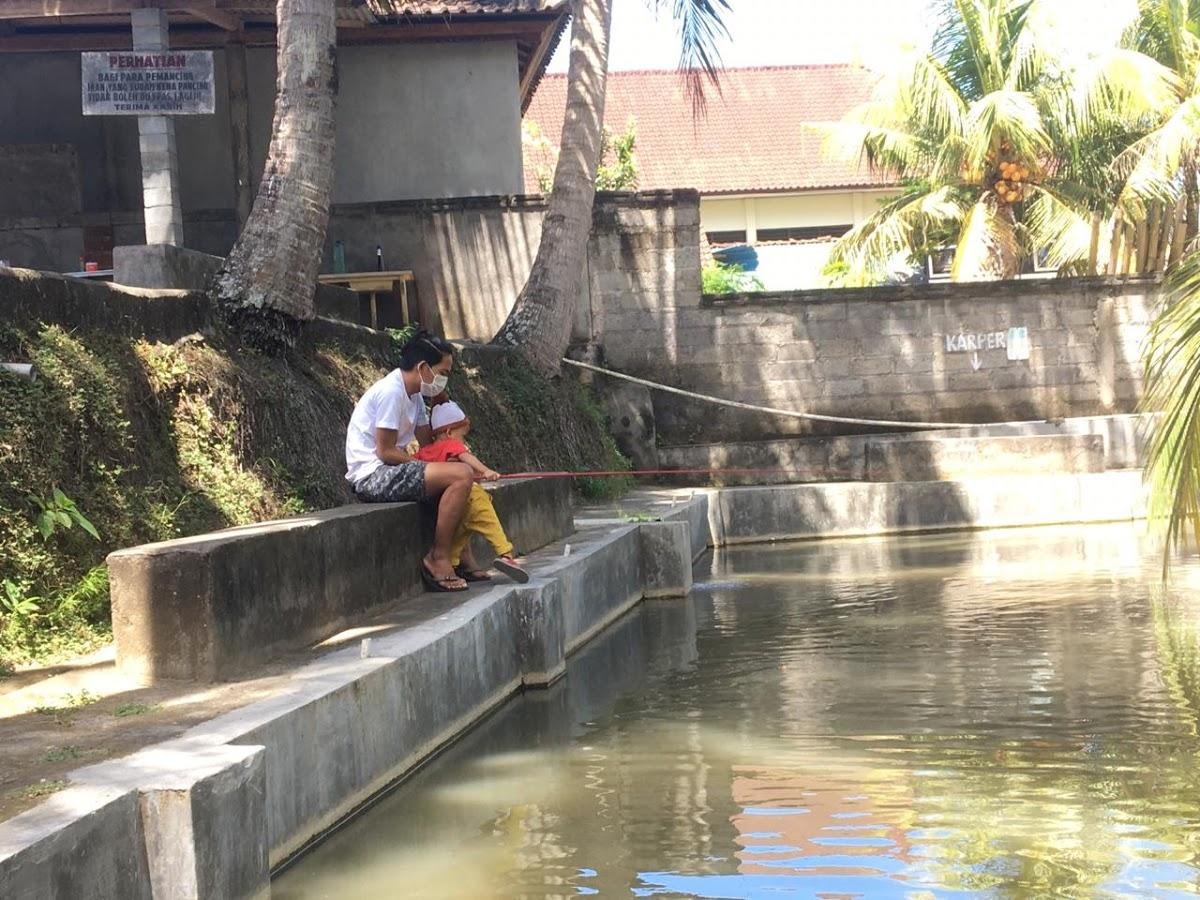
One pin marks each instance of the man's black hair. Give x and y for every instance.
(424, 347)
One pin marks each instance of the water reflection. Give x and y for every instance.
(1010, 714)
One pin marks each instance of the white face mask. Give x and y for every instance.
(435, 387)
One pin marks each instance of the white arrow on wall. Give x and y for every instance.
(976, 362)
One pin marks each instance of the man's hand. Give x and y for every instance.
(490, 475)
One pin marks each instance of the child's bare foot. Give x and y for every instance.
(512, 567)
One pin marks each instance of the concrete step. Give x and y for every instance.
(1088, 444)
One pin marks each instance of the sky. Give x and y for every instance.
(798, 32)
(769, 33)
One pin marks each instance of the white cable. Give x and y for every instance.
(787, 413)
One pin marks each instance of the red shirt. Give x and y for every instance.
(442, 450)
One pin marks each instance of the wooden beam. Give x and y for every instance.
(534, 64)
(122, 39)
(230, 21)
(244, 185)
(61, 9)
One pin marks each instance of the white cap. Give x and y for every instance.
(447, 415)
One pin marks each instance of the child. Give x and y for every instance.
(450, 428)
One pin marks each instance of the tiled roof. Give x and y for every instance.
(755, 137)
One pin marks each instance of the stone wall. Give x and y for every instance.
(931, 353)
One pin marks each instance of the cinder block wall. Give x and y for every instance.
(882, 353)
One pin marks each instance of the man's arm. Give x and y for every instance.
(386, 449)
(424, 435)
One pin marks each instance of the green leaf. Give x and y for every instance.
(62, 518)
(83, 523)
(60, 498)
(45, 524)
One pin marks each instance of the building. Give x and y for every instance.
(429, 106)
(765, 174)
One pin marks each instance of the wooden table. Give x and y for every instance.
(394, 282)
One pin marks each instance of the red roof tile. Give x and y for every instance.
(752, 139)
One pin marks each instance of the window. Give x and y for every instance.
(726, 237)
(810, 233)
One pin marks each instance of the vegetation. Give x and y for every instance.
(1007, 137)
(148, 441)
(723, 278)
(617, 170)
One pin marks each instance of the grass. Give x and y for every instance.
(133, 709)
(43, 788)
(62, 713)
(154, 441)
(70, 752)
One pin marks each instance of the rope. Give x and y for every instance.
(786, 413)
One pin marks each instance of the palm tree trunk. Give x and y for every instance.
(540, 322)
(266, 287)
(988, 249)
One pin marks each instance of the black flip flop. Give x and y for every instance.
(467, 575)
(508, 566)
(438, 585)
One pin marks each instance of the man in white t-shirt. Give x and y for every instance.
(388, 417)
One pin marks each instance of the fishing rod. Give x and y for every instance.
(616, 473)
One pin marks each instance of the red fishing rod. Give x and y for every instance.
(615, 473)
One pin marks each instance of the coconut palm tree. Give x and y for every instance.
(267, 284)
(539, 324)
(1000, 147)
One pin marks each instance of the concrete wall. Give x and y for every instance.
(471, 256)
(881, 353)
(429, 120)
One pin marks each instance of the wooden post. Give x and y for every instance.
(239, 129)
(1179, 233)
(1114, 253)
(1094, 246)
(1155, 226)
(1136, 264)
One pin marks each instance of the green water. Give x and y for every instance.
(1009, 714)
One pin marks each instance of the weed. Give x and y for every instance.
(640, 517)
(43, 788)
(62, 712)
(133, 709)
(59, 511)
(70, 752)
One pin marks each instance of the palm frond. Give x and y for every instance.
(1172, 388)
(701, 29)
(1057, 225)
(907, 225)
(1005, 116)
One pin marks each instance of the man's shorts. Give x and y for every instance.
(404, 483)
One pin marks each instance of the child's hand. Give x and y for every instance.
(491, 475)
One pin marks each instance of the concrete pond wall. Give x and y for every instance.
(210, 813)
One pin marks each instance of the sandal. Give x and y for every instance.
(471, 575)
(509, 566)
(441, 585)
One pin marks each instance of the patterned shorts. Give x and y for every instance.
(404, 483)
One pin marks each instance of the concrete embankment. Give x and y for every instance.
(210, 813)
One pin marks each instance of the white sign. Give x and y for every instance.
(1015, 341)
(148, 83)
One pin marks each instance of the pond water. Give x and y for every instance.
(1010, 714)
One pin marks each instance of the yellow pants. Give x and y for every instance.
(479, 518)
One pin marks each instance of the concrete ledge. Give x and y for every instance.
(211, 606)
(777, 513)
(955, 458)
(845, 458)
(83, 842)
(164, 266)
